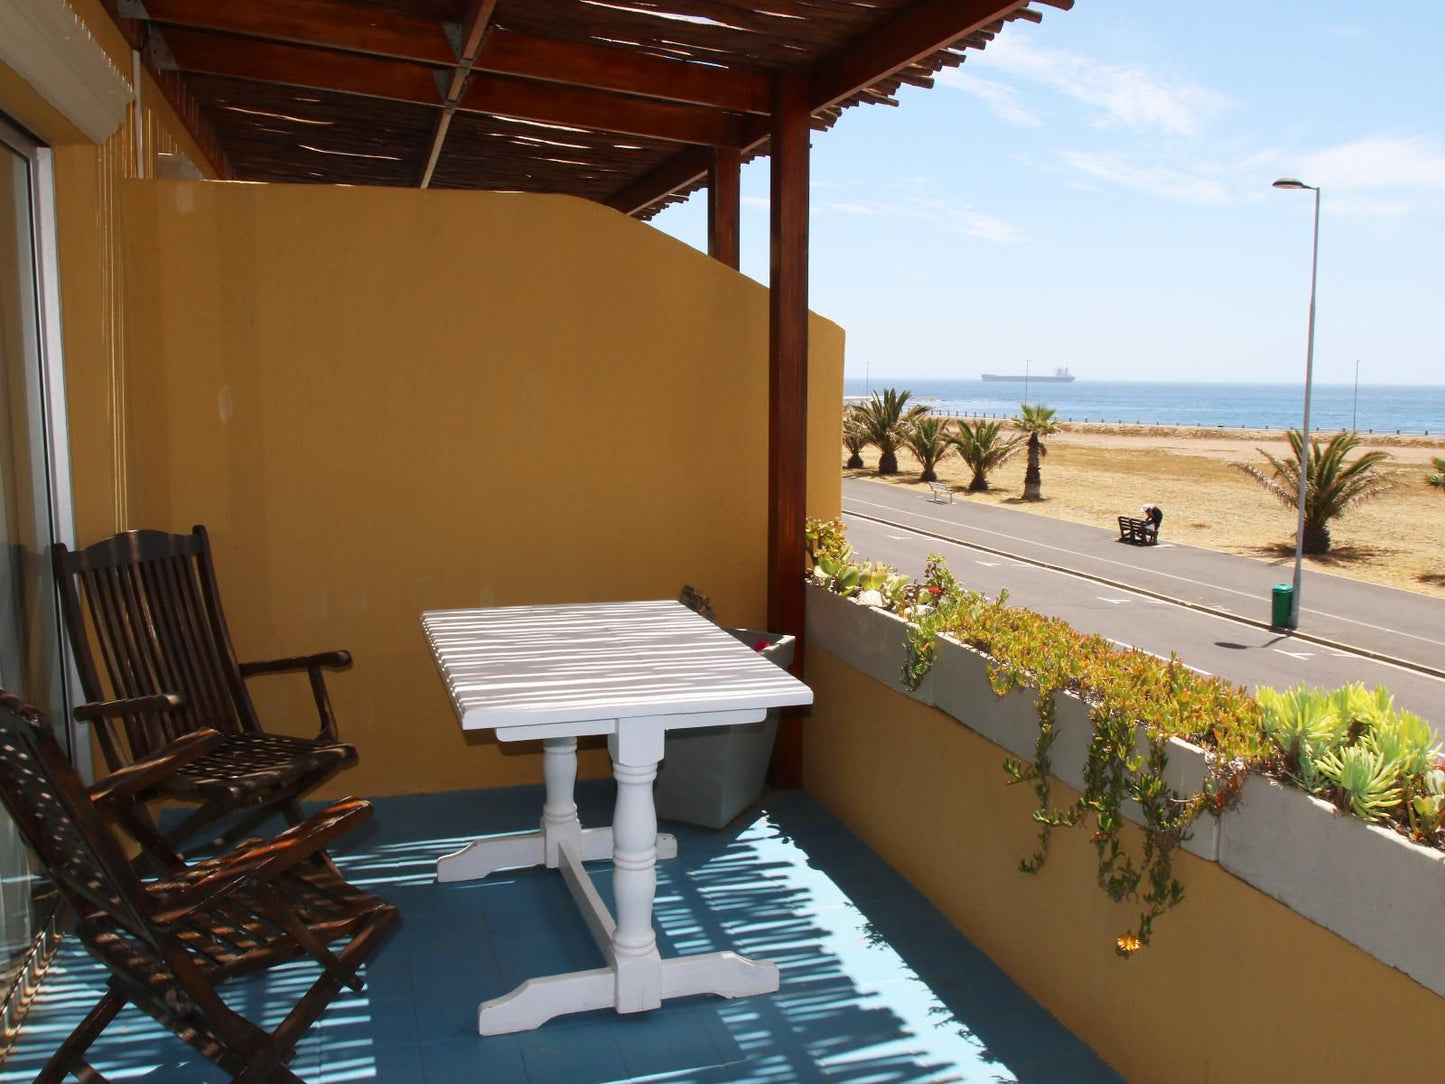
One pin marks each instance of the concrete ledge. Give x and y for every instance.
(1370, 885)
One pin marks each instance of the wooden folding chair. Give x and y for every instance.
(156, 662)
(168, 943)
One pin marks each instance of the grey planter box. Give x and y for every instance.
(710, 775)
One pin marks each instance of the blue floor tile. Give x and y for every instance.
(877, 986)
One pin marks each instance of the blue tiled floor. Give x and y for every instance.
(877, 986)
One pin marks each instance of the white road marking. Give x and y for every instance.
(989, 564)
(1221, 618)
(900, 537)
(1134, 568)
(1115, 601)
(1295, 654)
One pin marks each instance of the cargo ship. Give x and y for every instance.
(1060, 376)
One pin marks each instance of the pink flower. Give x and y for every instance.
(761, 645)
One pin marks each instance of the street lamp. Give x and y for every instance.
(1299, 541)
(1355, 409)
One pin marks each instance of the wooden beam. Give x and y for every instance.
(336, 25)
(556, 104)
(679, 171)
(724, 205)
(349, 27)
(299, 66)
(400, 80)
(625, 71)
(788, 383)
(923, 29)
(474, 32)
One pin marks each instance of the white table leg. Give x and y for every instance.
(636, 751)
(637, 979)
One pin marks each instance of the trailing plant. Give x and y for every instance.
(1350, 746)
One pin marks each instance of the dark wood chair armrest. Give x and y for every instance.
(108, 709)
(257, 863)
(313, 665)
(330, 660)
(130, 781)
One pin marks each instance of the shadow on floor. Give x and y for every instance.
(877, 986)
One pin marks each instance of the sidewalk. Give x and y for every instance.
(1390, 624)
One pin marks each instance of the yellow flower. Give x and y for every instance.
(1128, 944)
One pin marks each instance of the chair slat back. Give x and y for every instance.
(144, 617)
(54, 813)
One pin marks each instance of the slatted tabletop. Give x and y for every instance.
(518, 665)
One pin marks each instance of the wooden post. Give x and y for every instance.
(788, 387)
(724, 204)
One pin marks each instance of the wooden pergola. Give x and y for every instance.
(631, 103)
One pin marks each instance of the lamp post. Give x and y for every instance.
(1299, 542)
(1355, 407)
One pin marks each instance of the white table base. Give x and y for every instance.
(636, 978)
(482, 857)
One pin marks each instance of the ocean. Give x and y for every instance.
(1381, 408)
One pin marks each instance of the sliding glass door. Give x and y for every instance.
(31, 664)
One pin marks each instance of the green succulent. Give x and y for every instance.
(1405, 740)
(1368, 781)
(1306, 726)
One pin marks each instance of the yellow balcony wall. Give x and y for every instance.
(382, 401)
(1236, 986)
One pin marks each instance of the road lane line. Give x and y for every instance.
(1134, 568)
(1209, 607)
(1216, 613)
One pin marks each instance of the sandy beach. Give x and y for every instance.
(1093, 473)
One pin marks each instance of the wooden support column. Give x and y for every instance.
(788, 387)
(724, 204)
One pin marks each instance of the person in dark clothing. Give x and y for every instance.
(1153, 516)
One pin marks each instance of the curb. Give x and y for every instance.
(1295, 634)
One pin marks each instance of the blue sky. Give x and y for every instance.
(1095, 192)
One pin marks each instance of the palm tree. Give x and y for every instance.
(885, 420)
(1038, 422)
(928, 439)
(855, 438)
(982, 446)
(1438, 478)
(1331, 485)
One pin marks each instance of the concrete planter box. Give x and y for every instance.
(872, 641)
(1370, 885)
(867, 638)
(711, 774)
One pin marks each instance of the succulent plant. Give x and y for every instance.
(1367, 781)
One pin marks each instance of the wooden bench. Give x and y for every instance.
(940, 491)
(1140, 532)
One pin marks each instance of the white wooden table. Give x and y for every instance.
(631, 671)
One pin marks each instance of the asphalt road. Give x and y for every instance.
(1209, 642)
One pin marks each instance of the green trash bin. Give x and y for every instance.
(1283, 604)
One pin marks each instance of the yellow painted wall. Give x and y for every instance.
(382, 401)
(1236, 987)
(87, 176)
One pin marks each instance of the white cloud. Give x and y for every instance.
(1126, 96)
(1376, 163)
(1001, 99)
(1160, 181)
